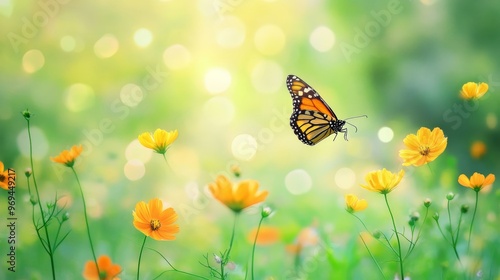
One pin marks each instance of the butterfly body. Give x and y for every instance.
(312, 119)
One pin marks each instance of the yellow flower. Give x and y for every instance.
(155, 222)
(159, 141)
(108, 270)
(477, 149)
(424, 147)
(473, 90)
(4, 177)
(68, 157)
(238, 196)
(354, 204)
(477, 181)
(383, 181)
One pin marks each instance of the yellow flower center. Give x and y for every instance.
(2, 177)
(424, 150)
(155, 224)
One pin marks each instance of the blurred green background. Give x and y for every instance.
(100, 73)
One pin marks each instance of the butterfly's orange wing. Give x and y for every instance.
(312, 120)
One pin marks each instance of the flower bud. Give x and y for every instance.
(217, 259)
(414, 216)
(236, 170)
(377, 234)
(427, 202)
(436, 216)
(450, 196)
(464, 209)
(266, 212)
(28, 172)
(26, 114)
(65, 217)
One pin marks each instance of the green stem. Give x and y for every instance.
(225, 259)
(175, 269)
(372, 256)
(366, 246)
(397, 237)
(473, 217)
(453, 241)
(166, 161)
(140, 256)
(86, 219)
(253, 248)
(458, 228)
(48, 248)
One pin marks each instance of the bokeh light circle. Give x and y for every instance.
(385, 134)
(33, 60)
(131, 95)
(106, 46)
(230, 33)
(135, 150)
(269, 39)
(143, 37)
(79, 97)
(39, 140)
(134, 170)
(68, 43)
(218, 110)
(217, 80)
(491, 120)
(267, 76)
(298, 182)
(345, 178)
(244, 147)
(176, 57)
(322, 39)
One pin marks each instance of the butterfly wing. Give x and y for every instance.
(312, 119)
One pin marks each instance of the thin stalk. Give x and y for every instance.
(140, 256)
(86, 219)
(48, 248)
(397, 238)
(253, 247)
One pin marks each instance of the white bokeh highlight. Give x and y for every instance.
(298, 182)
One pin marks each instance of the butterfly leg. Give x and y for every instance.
(345, 134)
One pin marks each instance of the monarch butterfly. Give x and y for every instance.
(312, 120)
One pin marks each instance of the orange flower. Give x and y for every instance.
(477, 181)
(473, 90)
(354, 204)
(108, 270)
(267, 235)
(237, 196)
(307, 237)
(4, 177)
(424, 147)
(159, 141)
(383, 181)
(477, 149)
(155, 222)
(68, 157)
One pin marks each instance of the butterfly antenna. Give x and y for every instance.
(352, 126)
(355, 117)
(361, 116)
